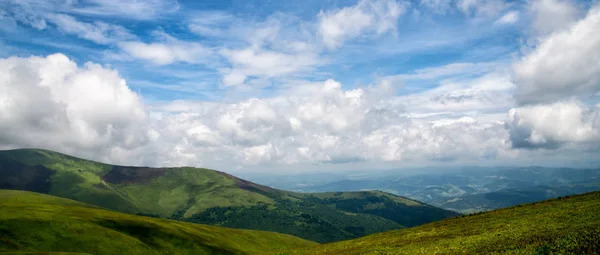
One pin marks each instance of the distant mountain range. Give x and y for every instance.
(462, 190)
(212, 197)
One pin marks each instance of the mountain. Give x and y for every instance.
(568, 225)
(509, 197)
(212, 197)
(465, 190)
(33, 222)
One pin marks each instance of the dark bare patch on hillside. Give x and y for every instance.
(250, 186)
(128, 175)
(16, 175)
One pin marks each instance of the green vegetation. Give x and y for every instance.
(567, 225)
(211, 197)
(31, 223)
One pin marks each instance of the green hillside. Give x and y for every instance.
(568, 225)
(212, 197)
(32, 222)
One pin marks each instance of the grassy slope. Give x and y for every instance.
(569, 225)
(32, 222)
(212, 197)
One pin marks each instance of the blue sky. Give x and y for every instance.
(423, 36)
(310, 84)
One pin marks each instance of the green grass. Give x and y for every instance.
(192, 189)
(568, 225)
(365, 195)
(211, 197)
(32, 222)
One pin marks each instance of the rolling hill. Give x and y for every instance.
(212, 197)
(33, 222)
(567, 225)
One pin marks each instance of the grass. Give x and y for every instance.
(194, 189)
(211, 197)
(568, 225)
(365, 195)
(34, 223)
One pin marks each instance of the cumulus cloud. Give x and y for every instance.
(552, 80)
(323, 123)
(50, 102)
(563, 65)
(552, 125)
(367, 16)
(89, 111)
(98, 32)
(552, 15)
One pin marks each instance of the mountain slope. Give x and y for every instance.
(212, 197)
(568, 225)
(33, 222)
(509, 197)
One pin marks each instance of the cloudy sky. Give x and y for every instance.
(246, 85)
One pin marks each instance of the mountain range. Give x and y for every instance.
(465, 190)
(212, 197)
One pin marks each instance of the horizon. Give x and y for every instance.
(257, 174)
(333, 86)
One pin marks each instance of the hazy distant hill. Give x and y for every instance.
(212, 197)
(464, 190)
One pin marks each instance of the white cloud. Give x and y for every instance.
(98, 32)
(87, 111)
(552, 15)
(264, 63)
(438, 6)
(322, 123)
(28, 12)
(552, 125)
(367, 16)
(510, 17)
(564, 64)
(213, 24)
(131, 9)
(453, 70)
(168, 51)
(490, 93)
(489, 8)
(35, 13)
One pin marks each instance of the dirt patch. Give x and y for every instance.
(18, 176)
(250, 186)
(128, 175)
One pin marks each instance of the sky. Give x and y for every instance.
(295, 86)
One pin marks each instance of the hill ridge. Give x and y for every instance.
(565, 225)
(212, 197)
